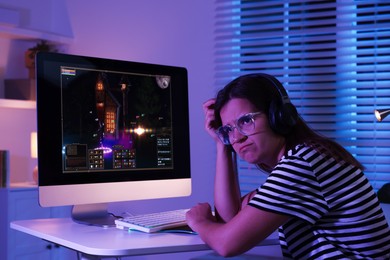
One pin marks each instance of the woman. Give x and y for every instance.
(316, 192)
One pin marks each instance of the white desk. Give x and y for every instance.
(97, 241)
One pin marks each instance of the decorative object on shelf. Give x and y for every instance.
(29, 56)
(25, 89)
(4, 168)
(22, 89)
(380, 114)
(34, 154)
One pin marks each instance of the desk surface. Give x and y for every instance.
(99, 241)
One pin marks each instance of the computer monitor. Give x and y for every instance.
(108, 131)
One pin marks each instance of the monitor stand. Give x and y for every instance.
(93, 215)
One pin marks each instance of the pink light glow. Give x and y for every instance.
(106, 150)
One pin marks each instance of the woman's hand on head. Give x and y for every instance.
(210, 123)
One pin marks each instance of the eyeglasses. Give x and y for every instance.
(244, 124)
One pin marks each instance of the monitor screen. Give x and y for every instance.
(110, 130)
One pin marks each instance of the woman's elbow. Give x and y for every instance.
(225, 252)
(228, 250)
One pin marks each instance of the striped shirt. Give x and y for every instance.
(335, 212)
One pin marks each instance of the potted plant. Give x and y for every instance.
(29, 56)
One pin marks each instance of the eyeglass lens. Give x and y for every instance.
(244, 125)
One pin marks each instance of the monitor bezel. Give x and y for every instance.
(49, 122)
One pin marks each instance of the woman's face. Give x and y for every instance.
(262, 146)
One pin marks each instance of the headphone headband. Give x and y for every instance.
(282, 117)
(281, 90)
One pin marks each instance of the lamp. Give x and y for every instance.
(380, 114)
(34, 153)
(384, 191)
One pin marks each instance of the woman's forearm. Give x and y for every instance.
(226, 188)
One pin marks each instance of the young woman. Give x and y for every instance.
(316, 192)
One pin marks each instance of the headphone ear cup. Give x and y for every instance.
(289, 115)
(272, 117)
(282, 118)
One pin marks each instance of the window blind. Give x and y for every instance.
(333, 57)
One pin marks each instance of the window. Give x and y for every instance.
(333, 57)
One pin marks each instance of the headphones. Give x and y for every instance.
(282, 115)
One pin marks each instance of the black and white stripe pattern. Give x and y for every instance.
(335, 212)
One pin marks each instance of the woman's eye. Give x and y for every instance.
(244, 120)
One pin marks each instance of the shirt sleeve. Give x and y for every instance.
(292, 189)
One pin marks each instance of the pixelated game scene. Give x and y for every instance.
(115, 121)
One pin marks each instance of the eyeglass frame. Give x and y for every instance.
(225, 139)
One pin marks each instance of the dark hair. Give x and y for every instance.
(262, 92)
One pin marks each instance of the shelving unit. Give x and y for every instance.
(10, 32)
(14, 103)
(20, 199)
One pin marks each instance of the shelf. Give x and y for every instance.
(11, 32)
(14, 103)
(23, 185)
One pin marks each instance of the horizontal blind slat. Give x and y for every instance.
(332, 56)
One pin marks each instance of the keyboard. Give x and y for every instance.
(153, 222)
